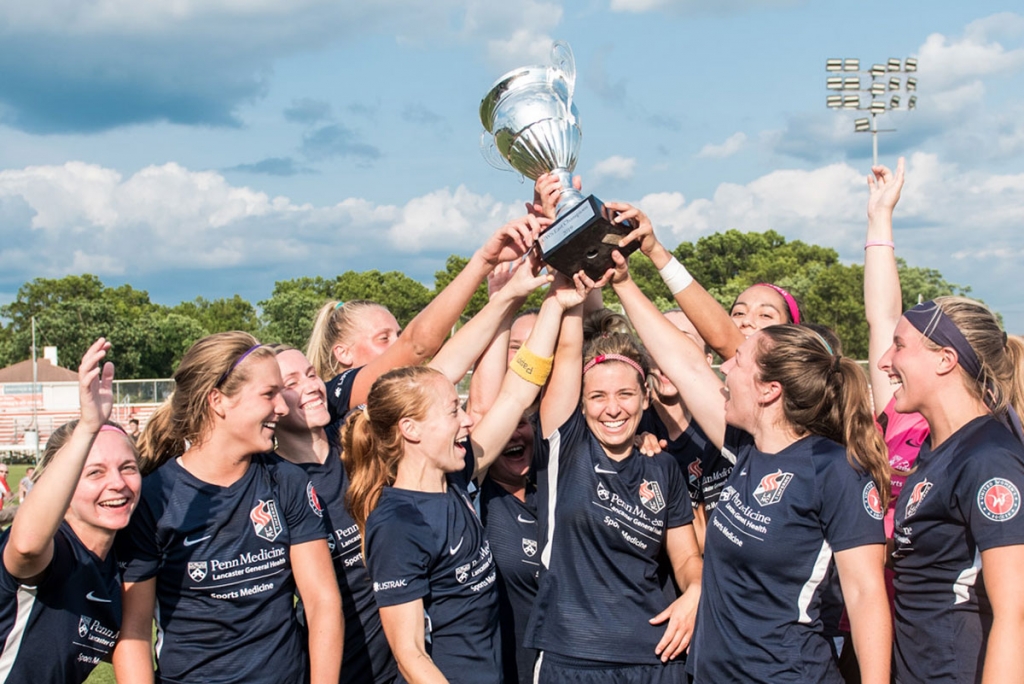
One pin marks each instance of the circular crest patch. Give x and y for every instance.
(314, 500)
(872, 501)
(998, 499)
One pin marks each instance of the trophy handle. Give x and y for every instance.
(490, 152)
(562, 58)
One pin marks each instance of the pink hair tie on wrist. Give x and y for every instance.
(880, 243)
(794, 309)
(601, 358)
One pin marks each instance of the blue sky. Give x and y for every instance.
(212, 147)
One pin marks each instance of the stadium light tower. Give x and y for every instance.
(883, 82)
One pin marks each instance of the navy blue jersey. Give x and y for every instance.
(367, 656)
(714, 470)
(768, 562)
(220, 556)
(339, 396)
(603, 525)
(432, 546)
(691, 451)
(511, 527)
(59, 630)
(962, 499)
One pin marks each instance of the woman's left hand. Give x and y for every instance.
(95, 386)
(570, 293)
(680, 616)
(513, 240)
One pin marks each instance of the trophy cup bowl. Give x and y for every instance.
(533, 127)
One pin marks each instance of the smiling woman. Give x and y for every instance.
(59, 583)
(225, 534)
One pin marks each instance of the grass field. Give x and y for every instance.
(104, 674)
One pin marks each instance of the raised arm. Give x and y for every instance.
(677, 357)
(711, 320)
(527, 374)
(428, 330)
(459, 353)
(30, 547)
(883, 298)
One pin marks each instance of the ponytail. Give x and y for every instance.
(1015, 383)
(372, 441)
(158, 443)
(825, 394)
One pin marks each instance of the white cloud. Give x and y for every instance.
(946, 63)
(733, 144)
(697, 6)
(615, 167)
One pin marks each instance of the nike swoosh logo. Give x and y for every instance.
(452, 550)
(913, 445)
(599, 469)
(528, 521)
(92, 597)
(193, 542)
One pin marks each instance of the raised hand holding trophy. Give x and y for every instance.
(533, 127)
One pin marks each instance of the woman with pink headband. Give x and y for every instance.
(608, 514)
(60, 589)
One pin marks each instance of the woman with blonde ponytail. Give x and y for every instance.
(410, 455)
(803, 504)
(959, 534)
(224, 535)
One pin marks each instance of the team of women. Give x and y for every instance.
(605, 507)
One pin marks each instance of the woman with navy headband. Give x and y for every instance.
(60, 591)
(224, 535)
(959, 531)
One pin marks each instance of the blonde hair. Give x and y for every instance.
(60, 436)
(336, 322)
(214, 362)
(825, 394)
(604, 321)
(1001, 356)
(371, 440)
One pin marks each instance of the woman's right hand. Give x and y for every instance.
(95, 386)
(884, 189)
(642, 233)
(571, 293)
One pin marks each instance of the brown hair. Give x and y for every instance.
(825, 394)
(604, 321)
(60, 436)
(371, 440)
(1001, 356)
(209, 364)
(618, 343)
(336, 322)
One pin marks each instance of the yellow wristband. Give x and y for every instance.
(531, 367)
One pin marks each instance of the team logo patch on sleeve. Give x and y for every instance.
(650, 496)
(265, 520)
(917, 496)
(197, 570)
(998, 499)
(314, 500)
(872, 501)
(771, 487)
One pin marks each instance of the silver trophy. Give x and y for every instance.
(533, 127)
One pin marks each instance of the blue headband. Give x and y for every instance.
(931, 322)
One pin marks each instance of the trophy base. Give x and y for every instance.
(584, 238)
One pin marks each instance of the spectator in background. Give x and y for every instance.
(25, 486)
(5, 489)
(133, 429)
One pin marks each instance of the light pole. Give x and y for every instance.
(884, 84)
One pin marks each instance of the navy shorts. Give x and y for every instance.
(555, 669)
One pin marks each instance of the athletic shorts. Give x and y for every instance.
(555, 669)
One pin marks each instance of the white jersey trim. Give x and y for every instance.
(554, 452)
(729, 456)
(26, 598)
(966, 579)
(815, 580)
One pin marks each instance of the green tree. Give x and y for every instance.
(290, 311)
(220, 315)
